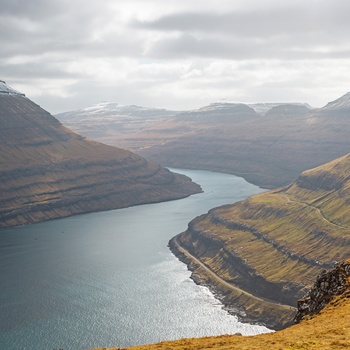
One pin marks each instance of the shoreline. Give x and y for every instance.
(247, 307)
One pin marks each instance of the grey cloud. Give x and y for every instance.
(187, 45)
(63, 33)
(54, 36)
(29, 8)
(289, 20)
(36, 71)
(297, 30)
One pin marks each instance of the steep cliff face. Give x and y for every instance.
(328, 285)
(274, 244)
(48, 172)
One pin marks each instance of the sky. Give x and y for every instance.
(70, 54)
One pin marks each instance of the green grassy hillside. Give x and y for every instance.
(274, 244)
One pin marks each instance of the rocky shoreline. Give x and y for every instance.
(240, 304)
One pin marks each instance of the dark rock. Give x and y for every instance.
(327, 285)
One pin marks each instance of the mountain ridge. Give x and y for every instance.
(340, 103)
(268, 149)
(48, 171)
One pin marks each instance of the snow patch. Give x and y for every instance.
(5, 89)
(340, 103)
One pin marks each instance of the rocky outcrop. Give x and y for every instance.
(48, 171)
(328, 285)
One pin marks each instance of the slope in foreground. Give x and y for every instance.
(324, 330)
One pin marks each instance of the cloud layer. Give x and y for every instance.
(184, 54)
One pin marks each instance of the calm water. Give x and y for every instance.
(108, 279)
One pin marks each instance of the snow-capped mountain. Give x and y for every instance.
(263, 108)
(259, 107)
(5, 89)
(115, 109)
(112, 116)
(342, 102)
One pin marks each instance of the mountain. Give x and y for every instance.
(287, 111)
(221, 112)
(321, 328)
(269, 144)
(262, 254)
(342, 102)
(269, 150)
(48, 171)
(263, 108)
(107, 122)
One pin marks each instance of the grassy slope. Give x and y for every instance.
(327, 330)
(275, 243)
(47, 171)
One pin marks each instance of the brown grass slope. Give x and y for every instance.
(327, 329)
(47, 171)
(272, 245)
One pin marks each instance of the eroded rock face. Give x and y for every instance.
(327, 285)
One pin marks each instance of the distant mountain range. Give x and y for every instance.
(339, 104)
(268, 144)
(48, 171)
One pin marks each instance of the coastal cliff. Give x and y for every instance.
(271, 246)
(48, 171)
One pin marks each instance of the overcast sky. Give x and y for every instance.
(69, 54)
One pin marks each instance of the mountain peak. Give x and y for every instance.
(5, 89)
(342, 102)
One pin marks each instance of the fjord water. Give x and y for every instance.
(109, 279)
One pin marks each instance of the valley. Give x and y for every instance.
(261, 255)
(258, 256)
(267, 144)
(175, 175)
